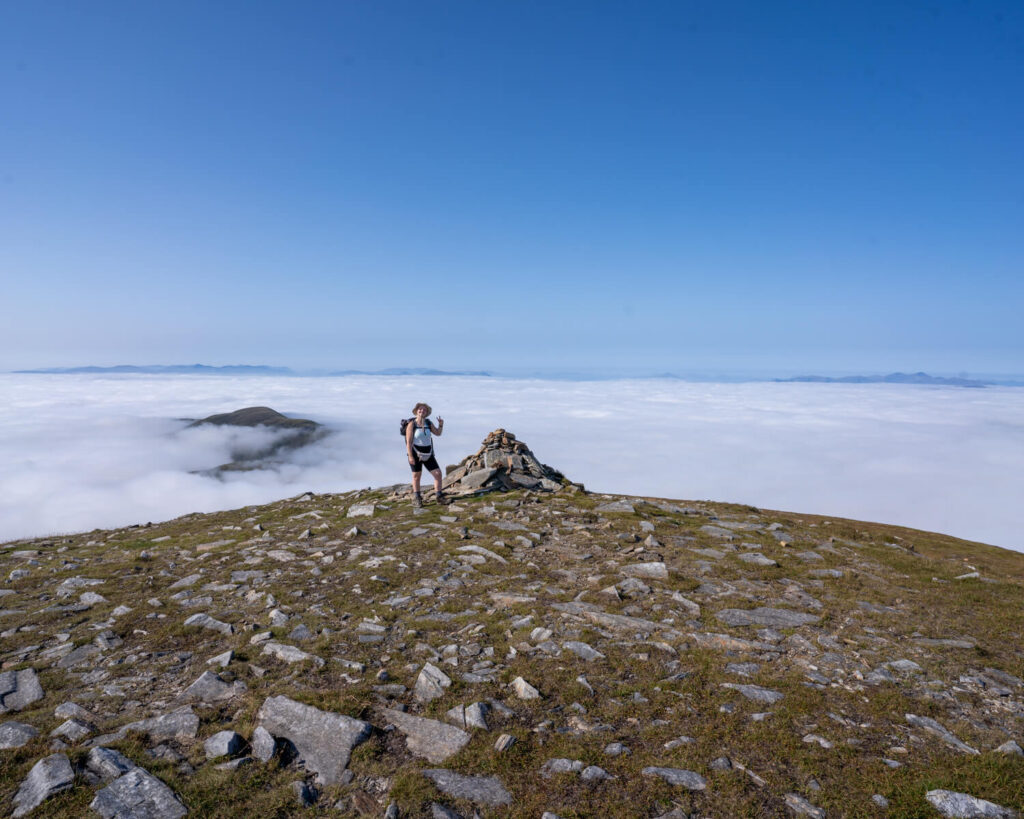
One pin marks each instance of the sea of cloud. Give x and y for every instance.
(79, 452)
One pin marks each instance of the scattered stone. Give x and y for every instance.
(19, 689)
(779, 618)
(304, 794)
(802, 807)
(428, 738)
(1010, 747)
(615, 749)
(223, 743)
(106, 764)
(263, 745)
(361, 510)
(524, 690)
(482, 790)
(138, 795)
(49, 776)
(504, 742)
(757, 559)
(206, 621)
(431, 683)
(593, 773)
(290, 654)
(651, 571)
(323, 739)
(16, 734)
(211, 688)
(583, 650)
(963, 806)
(880, 800)
(677, 776)
(756, 693)
(73, 730)
(934, 728)
(617, 506)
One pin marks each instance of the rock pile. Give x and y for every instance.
(502, 463)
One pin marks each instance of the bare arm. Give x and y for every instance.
(438, 428)
(409, 429)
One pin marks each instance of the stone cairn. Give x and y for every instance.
(502, 463)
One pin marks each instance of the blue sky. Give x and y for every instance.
(762, 187)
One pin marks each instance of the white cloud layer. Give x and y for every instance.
(83, 452)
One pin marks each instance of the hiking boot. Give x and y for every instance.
(442, 498)
(417, 500)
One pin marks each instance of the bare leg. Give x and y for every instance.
(437, 479)
(416, 482)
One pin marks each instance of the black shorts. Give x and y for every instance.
(430, 464)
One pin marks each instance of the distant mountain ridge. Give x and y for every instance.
(891, 378)
(169, 369)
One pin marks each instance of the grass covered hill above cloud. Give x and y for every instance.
(520, 650)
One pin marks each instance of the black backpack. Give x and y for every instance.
(404, 424)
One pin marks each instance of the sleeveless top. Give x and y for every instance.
(422, 443)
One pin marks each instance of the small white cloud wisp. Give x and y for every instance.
(84, 452)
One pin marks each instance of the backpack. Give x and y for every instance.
(405, 423)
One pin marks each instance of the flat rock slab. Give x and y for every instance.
(619, 622)
(180, 724)
(107, 764)
(762, 616)
(756, 693)
(583, 650)
(435, 741)
(482, 790)
(652, 571)
(677, 776)
(936, 729)
(138, 795)
(757, 559)
(801, 807)
(206, 621)
(963, 806)
(211, 688)
(290, 654)
(431, 683)
(48, 776)
(617, 506)
(361, 510)
(726, 642)
(15, 734)
(19, 689)
(323, 739)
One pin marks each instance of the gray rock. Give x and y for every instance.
(583, 650)
(524, 690)
(934, 728)
(617, 506)
(428, 738)
(107, 764)
(66, 710)
(206, 621)
(756, 693)
(963, 806)
(180, 724)
(431, 683)
(73, 730)
(615, 749)
(323, 739)
(560, 765)
(677, 776)
(15, 734)
(263, 744)
(482, 790)
(138, 795)
(652, 571)
(880, 800)
(223, 743)
(361, 510)
(78, 656)
(504, 742)
(439, 811)
(802, 807)
(757, 559)
(761, 616)
(594, 773)
(290, 654)
(477, 478)
(48, 776)
(1010, 747)
(722, 763)
(211, 688)
(19, 689)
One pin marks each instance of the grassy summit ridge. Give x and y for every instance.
(493, 587)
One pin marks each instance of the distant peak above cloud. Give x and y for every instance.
(891, 378)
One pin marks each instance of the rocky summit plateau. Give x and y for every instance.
(529, 649)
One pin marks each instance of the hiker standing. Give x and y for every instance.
(420, 448)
